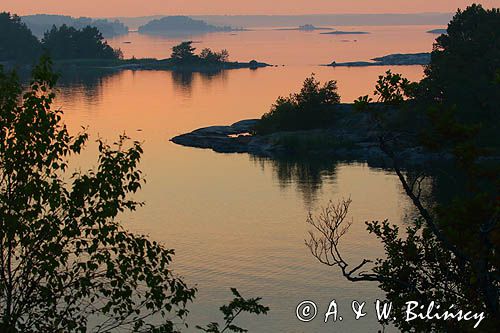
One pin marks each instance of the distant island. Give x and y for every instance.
(397, 59)
(437, 31)
(184, 58)
(19, 48)
(338, 32)
(181, 24)
(41, 23)
(306, 27)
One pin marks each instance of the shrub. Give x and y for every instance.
(310, 108)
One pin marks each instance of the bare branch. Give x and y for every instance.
(329, 227)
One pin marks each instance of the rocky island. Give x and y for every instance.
(306, 27)
(338, 32)
(389, 60)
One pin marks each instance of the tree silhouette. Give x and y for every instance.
(69, 43)
(16, 40)
(231, 311)
(66, 264)
(310, 108)
(184, 52)
(450, 253)
(464, 65)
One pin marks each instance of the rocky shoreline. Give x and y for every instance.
(398, 59)
(354, 138)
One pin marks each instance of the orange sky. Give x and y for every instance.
(107, 8)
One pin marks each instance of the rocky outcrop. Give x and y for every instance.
(398, 59)
(305, 27)
(234, 138)
(338, 32)
(355, 137)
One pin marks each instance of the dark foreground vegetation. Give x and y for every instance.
(66, 263)
(449, 253)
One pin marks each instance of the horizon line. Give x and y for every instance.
(310, 14)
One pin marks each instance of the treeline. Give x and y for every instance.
(16, 40)
(18, 44)
(69, 43)
(41, 23)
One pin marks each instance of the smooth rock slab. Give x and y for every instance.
(222, 139)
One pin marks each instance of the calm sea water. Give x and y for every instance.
(236, 220)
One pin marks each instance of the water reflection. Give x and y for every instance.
(87, 84)
(307, 174)
(183, 80)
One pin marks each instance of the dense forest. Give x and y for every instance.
(18, 44)
(16, 40)
(69, 43)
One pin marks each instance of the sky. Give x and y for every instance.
(110, 8)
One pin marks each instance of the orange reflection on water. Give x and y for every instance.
(237, 220)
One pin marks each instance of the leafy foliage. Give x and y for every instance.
(65, 260)
(393, 89)
(16, 40)
(312, 107)
(69, 43)
(214, 57)
(237, 306)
